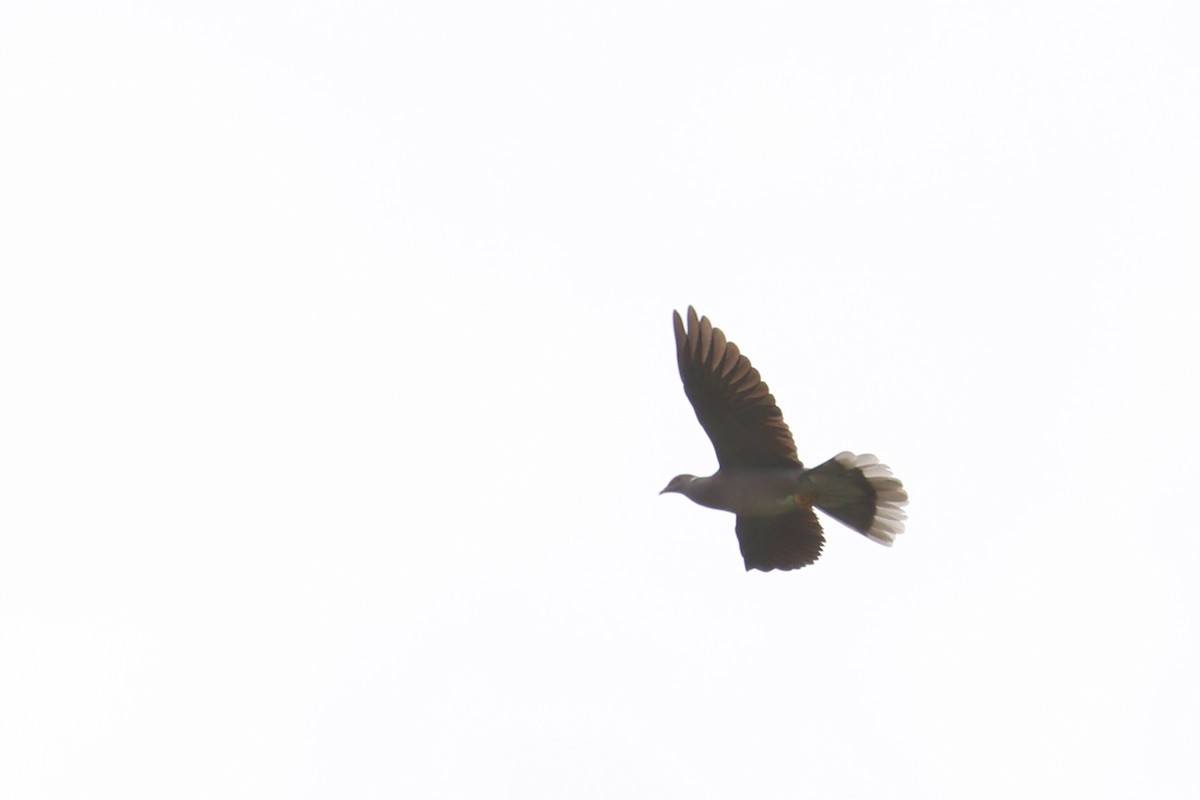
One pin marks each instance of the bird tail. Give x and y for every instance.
(858, 491)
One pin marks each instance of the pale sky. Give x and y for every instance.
(340, 386)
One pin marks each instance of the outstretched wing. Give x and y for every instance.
(733, 404)
(789, 541)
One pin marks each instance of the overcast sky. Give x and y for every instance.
(339, 387)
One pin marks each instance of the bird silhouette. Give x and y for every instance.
(760, 478)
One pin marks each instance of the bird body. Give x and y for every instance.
(761, 479)
(757, 492)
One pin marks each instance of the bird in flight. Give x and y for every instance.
(760, 478)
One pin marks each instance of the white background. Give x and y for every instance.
(339, 385)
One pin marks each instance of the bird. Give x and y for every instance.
(760, 478)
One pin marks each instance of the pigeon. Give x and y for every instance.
(760, 478)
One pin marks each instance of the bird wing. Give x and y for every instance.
(788, 541)
(732, 402)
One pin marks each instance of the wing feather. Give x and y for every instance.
(785, 542)
(734, 405)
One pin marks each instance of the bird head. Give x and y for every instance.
(677, 483)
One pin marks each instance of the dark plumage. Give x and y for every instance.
(760, 478)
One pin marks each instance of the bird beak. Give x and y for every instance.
(664, 491)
